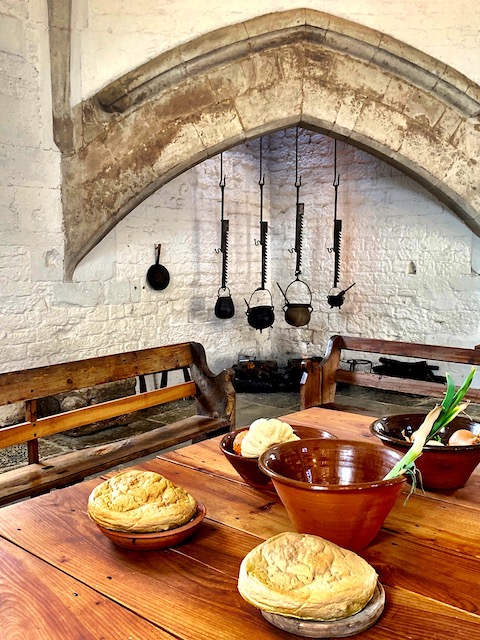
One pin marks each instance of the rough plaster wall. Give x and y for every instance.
(388, 220)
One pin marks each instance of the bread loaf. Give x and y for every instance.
(140, 501)
(263, 434)
(304, 576)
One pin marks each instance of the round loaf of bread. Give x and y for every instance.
(140, 501)
(263, 434)
(304, 576)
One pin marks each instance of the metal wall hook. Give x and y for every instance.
(222, 175)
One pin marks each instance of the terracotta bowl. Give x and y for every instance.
(248, 468)
(334, 488)
(442, 468)
(159, 539)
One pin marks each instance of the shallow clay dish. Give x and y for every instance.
(441, 468)
(332, 628)
(248, 468)
(159, 539)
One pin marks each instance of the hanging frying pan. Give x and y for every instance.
(157, 275)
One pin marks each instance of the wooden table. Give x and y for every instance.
(61, 578)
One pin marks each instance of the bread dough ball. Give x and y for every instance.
(263, 434)
(304, 576)
(140, 501)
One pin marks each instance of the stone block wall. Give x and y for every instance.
(392, 227)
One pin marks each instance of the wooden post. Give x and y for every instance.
(32, 445)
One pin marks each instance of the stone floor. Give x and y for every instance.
(250, 406)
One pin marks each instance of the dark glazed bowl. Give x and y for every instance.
(442, 468)
(334, 488)
(248, 468)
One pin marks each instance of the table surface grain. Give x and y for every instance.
(61, 578)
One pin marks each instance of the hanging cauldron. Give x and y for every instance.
(297, 314)
(224, 307)
(336, 298)
(261, 316)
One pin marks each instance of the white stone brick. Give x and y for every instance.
(11, 35)
(77, 294)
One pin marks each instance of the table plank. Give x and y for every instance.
(432, 521)
(158, 585)
(399, 561)
(41, 603)
(181, 595)
(351, 426)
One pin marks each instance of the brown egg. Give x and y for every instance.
(237, 443)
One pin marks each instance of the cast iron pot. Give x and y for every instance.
(297, 314)
(157, 275)
(261, 316)
(224, 307)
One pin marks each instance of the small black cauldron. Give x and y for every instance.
(224, 307)
(261, 316)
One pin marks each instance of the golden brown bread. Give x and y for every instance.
(304, 576)
(140, 501)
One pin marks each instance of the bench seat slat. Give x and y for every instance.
(402, 385)
(20, 433)
(74, 466)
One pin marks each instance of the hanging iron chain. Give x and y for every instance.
(299, 221)
(224, 227)
(337, 224)
(263, 224)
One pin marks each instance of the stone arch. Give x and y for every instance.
(299, 67)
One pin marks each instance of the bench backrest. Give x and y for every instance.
(320, 385)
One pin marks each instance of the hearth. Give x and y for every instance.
(266, 376)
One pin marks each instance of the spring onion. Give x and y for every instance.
(436, 419)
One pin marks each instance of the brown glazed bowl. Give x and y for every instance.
(248, 468)
(334, 488)
(441, 468)
(159, 539)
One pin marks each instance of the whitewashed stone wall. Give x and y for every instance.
(391, 225)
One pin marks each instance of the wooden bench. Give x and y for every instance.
(320, 378)
(214, 397)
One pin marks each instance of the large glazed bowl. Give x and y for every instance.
(441, 468)
(334, 488)
(248, 468)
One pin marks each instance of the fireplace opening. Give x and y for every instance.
(266, 376)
